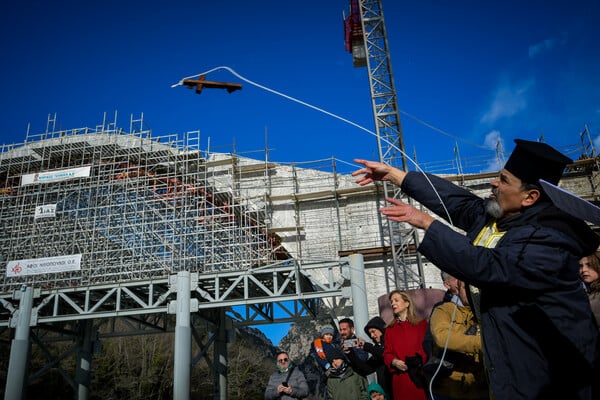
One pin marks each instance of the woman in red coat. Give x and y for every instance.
(403, 341)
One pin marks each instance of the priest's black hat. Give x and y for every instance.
(532, 161)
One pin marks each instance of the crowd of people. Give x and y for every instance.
(519, 321)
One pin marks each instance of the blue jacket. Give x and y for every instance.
(326, 347)
(538, 335)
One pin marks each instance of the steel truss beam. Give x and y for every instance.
(281, 292)
(276, 293)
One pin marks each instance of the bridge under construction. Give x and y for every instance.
(100, 224)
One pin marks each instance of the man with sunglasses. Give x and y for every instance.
(287, 382)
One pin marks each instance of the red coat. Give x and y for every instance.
(401, 340)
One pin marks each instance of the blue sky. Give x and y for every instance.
(474, 71)
(477, 71)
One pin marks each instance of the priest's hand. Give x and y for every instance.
(402, 212)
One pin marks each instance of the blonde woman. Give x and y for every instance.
(403, 343)
(589, 270)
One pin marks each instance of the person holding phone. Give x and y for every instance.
(287, 382)
(375, 329)
(349, 339)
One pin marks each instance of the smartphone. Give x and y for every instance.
(351, 343)
(284, 384)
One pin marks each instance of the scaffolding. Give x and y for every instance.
(99, 223)
(104, 206)
(131, 206)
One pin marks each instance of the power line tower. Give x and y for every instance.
(366, 39)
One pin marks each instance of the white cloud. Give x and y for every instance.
(493, 140)
(508, 101)
(544, 45)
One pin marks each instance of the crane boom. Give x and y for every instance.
(405, 270)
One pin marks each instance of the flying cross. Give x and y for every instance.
(201, 83)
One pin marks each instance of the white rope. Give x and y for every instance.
(180, 83)
(370, 133)
(443, 357)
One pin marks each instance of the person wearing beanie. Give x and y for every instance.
(375, 329)
(343, 383)
(321, 345)
(376, 392)
(375, 323)
(333, 353)
(327, 333)
(520, 251)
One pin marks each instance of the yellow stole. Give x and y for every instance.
(488, 237)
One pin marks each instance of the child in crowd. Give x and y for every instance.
(376, 392)
(343, 383)
(320, 346)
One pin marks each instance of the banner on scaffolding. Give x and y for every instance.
(47, 265)
(45, 211)
(55, 176)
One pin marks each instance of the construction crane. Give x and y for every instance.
(366, 39)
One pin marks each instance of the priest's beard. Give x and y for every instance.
(493, 208)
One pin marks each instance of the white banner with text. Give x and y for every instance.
(45, 211)
(55, 176)
(47, 265)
